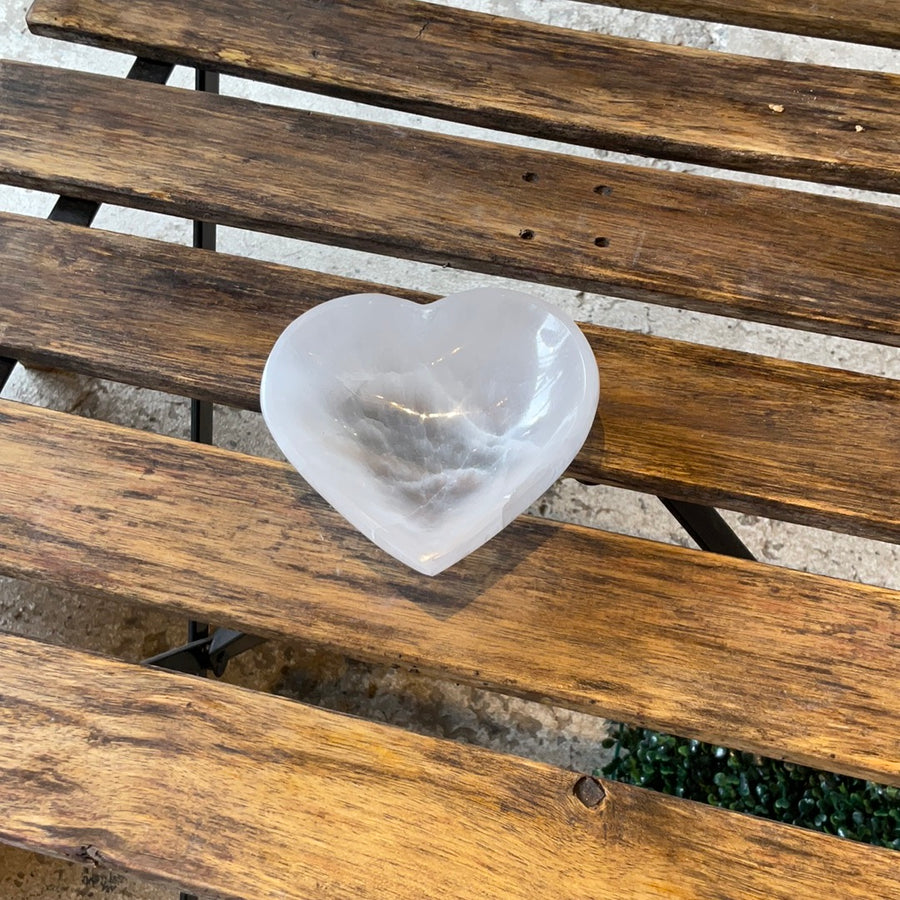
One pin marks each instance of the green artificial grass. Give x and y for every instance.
(834, 804)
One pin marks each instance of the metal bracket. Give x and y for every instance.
(74, 211)
(202, 433)
(207, 654)
(6, 368)
(707, 527)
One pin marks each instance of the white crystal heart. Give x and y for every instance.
(431, 427)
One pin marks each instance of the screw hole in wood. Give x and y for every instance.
(526, 234)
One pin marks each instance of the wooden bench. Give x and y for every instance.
(705, 645)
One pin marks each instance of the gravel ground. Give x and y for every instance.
(384, 694)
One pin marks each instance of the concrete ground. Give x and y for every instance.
(411, 701)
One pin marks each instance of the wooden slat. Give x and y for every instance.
(706, 244)
(862, 21)
(254, 797)
(696, 423)
(773, 661)
(632, 96)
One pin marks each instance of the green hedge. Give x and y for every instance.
(835, 804)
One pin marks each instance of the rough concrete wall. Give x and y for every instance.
(558, 736)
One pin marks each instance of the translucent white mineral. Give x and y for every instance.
(431, 427)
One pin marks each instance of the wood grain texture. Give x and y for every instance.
(573, 86)
(803, 443)
(255, 798)
(861, 21)
(768, 660)
(741, 250)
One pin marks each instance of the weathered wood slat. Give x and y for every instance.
(771, 661)
(861, 21)
(801, 121)
(696, 423)
(765, 659)
(707, 244)
(344, 808)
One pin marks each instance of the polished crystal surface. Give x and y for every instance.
(431, 427)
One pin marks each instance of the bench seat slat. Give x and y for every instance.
(692, 643)
(861, 21)
(335, 806)
(784, 257)
(632, 96)
(689, 422)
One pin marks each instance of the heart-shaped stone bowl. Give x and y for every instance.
(430, 427)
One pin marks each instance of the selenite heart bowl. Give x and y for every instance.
(430, 427)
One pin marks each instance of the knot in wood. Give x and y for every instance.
(589, 791)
